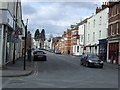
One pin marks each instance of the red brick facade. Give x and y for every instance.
(114, 32)
(68, 40)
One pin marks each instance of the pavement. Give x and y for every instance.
(111, 65)
(17, 69)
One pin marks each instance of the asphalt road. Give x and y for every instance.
(65, 71)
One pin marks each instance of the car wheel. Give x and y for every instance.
(87, 65)
(81, 63)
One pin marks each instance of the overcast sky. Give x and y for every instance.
(56, 17)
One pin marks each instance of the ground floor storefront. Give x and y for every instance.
(77, 50)
(92, 49)
(103, 49)
(113, 55)
(6, 44)
(8, 50)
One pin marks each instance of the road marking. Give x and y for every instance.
(36, 69)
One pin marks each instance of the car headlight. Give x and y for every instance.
(101, 62)
(90, 60)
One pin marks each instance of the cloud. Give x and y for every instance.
(55, 17)
(28, 9)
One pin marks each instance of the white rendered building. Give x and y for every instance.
(9, 12)
(97, 28)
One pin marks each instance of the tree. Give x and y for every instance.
(37, 35)
(43, 35)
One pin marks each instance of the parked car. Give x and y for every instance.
(91, 60)
(52, 50)
(39, 56)
(57, 52)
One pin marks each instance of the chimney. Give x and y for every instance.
(68, 30)
(98, 10)
(111, 2)
(104, 5)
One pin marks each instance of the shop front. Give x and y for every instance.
(113, 54)
(103, 49)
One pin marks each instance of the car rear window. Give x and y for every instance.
(40, 53)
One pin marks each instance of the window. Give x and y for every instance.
(100, 20)
(89, 25)
(94, 23)
(117, 28)
(117, 9)
(81, 38)
(111, 29)
(93, 36)
(100, 34)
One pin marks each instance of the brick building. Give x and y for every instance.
(74, 39)
(66, 42)
(113, 46)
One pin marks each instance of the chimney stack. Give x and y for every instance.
(98, 9)
(104, 5)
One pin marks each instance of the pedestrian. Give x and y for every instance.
(29, 54)
(68, 52)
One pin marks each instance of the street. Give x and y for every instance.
(64, 71)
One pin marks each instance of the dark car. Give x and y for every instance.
(52, 50)
(91, 60)
(39, 56)
(57, 52)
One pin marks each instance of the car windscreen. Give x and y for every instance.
(92, 56)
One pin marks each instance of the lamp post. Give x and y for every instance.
(25, 45)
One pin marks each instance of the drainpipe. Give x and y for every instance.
(84, 39)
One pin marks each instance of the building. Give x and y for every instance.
(74, 40)
(11, 27)
(96, 33)
(54, 42)
(113, 45)
(66, 42)
(39, 38)
(47, 44)
(81, 40)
